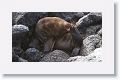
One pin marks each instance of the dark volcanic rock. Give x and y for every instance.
(17, 51)
(68, 16)
(16, 16)
(16, 58)
(90, 44)
(92, 30)
(90, 19)
(32, 55)
(75, 52)
(31, 18)
(20, 36)
(22, 60)
(55, 56)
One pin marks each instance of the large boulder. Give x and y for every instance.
(90, 19)
(75, 51)
(20, 36)
(19, 29)
(55, 56)
(17, 58)
(18, 51)
(92, 30)
(33, 55)
(96, 56)
(90, 44)
(31, 18)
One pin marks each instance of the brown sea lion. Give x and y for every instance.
(57, 33)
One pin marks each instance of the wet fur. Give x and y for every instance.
(56, 33)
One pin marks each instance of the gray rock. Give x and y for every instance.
(90, 19)
(21, 60)
(100, 32)
(55, 56)
(16, 16)
(31, 18)
(92, 30)
(16, 58)
(20, 35)
(68, 16)
(19, 29)
(75, 51)
(18, 51)
(32, 55)
(96, 56)
(90, 44)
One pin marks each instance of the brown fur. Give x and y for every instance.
(54, 33)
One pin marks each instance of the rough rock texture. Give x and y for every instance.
(20, 35)
(30, 18)
(92, 30)
(17, 51)
(16, 16)
(96, 56)
(75, 51)
(90, 44)
(100, 32)
(70, 17)
(16, 58)
(55, 56)
(32, 55)
(19, 29)
(89, 20)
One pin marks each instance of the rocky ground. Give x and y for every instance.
(25, 48)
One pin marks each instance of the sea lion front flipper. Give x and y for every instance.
(76, 51)
(48, 46)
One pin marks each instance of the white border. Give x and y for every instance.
(104, 6)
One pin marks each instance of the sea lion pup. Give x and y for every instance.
(56, 33)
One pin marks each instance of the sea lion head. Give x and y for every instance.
(76, 35)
